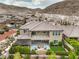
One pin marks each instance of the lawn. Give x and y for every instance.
(57, 48)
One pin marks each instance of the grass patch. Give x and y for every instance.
(57, 48)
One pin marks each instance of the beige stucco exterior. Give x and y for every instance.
(42, 36)
(58, 37)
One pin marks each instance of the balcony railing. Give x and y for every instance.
(40, 37)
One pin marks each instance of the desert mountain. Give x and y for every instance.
(68, 7)
(15, 9)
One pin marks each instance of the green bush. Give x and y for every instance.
(6, 29)
(60, 43)
(52, 56)
(49, 52)
(62, 53)
(17, 56)
(18, 32)
(72, 55)
(74, 43)
(27, 57)
(51, 43)
(63, 57)
(1, 32)
(10, 57)
(21, 49)
(33, 52)
(12, 50)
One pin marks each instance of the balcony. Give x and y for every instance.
(40, 37)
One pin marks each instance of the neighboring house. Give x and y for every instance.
(40, 34)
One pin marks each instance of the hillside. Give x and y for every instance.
(68, 7)
(15, 9)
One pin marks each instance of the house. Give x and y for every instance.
(39, 35)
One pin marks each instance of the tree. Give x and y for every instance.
(72, 55)
(52, 56)
(17, 56)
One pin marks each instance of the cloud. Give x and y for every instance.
(30, 3)
(36, 2)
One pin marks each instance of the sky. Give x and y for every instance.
(30, 3)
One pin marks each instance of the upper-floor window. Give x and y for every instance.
(33, 33)
(25, 31)
(56, 33)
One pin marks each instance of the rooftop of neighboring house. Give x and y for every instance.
(7, 34)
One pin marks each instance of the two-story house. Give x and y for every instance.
(38, 35)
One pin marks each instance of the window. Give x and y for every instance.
(56, 33)
(55, 42)
(33, 33)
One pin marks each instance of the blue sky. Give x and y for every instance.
(30, 3)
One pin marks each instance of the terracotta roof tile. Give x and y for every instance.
(7, 34)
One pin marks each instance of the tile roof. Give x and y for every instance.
(70, 31)
(7, 34)
(39, 26)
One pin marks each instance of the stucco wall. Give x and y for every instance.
(58, 37)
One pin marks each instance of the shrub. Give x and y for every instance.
(18, 32)
(1, 32)
(52, 56)
(27, 57)
(51, 43)
(17, 56)
(72, 55)
(12, 50)
(62, 53)
(60, 43)
(63, 57)
(6, 29)
(10, 57)
(49, 52)
(21, 49)
(33, 52)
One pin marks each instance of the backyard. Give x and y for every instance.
(58, 49)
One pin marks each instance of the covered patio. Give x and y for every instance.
(40, 44)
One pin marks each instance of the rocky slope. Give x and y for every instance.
(68, 7)
(15, 9)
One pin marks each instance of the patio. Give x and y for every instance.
(38, 44)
